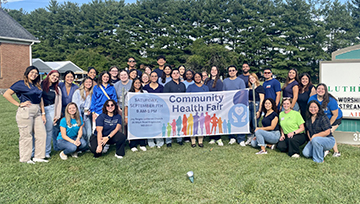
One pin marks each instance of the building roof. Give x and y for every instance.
(12, 30)
(61, 66)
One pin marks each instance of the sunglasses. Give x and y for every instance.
(267, 72)
(132, 61)
(110, 105)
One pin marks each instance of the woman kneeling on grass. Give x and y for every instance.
(318, 130)
(292, 128)
(269, 132)
(70, 139)
(108, 126)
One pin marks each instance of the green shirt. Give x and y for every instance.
(291, 121)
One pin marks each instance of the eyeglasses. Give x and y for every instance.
(110, 105)
(132, 61)
(267, 72)
(232, 70)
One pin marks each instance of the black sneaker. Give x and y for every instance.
(168, 145)
(180, 143)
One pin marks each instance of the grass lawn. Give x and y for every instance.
(229, 174)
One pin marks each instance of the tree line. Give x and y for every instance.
(280, 34)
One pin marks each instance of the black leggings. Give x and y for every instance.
(118, 139)
(292, 145)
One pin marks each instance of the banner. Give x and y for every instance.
(163, 115)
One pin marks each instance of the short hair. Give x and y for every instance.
(231, 66)
(161, 57)
(268, 69)
(131, 57)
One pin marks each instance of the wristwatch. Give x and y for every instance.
(109, 137)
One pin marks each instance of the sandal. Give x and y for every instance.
(201, 145)
(193, 145)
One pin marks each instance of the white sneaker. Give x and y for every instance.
(242, 144)
(261, 152)
(220, 143)
(105, 148)
(47, 156)
(212, 141)
(273, 146)
(295, 156)
(336, 154)
(187, 141)
(75, 154)
(232, 141)
(248, 141)
(158, 147)
(40, 160)
(143, 148)
(63, 156)
(326, 153)
(134, 149)
(117, 156)
(29, 162)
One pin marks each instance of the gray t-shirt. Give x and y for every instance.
(118, 87)
(235, 84)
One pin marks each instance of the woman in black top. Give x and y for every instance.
(318, 130)
(306, 89)
(269, 132)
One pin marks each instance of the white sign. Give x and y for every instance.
(343, 82)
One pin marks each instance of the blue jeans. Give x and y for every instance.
(69, 147)
(316, 147)
(87, 131)
(159, 142)
(56, 130)
(49, 113)
(169, 140)
(263, 136)
(252, 114)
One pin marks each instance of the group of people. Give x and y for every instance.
(78, 119)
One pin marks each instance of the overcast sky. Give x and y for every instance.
(30, 5)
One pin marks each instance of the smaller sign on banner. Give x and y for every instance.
(165, 115)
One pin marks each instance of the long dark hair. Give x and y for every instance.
(132, 89)
(306, 88)
(36, 81)
(288, 79)
(217, 77)
(156, 78)
(320, 112)
(46, 82)
(163, 76)
(326, 97)
(101, 75)
(116, 110)
(273, 105)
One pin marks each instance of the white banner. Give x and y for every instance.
(165, 115)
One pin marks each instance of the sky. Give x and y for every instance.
(30, 5)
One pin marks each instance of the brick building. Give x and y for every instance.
(15, 50)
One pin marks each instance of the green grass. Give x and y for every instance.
(229, 174)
